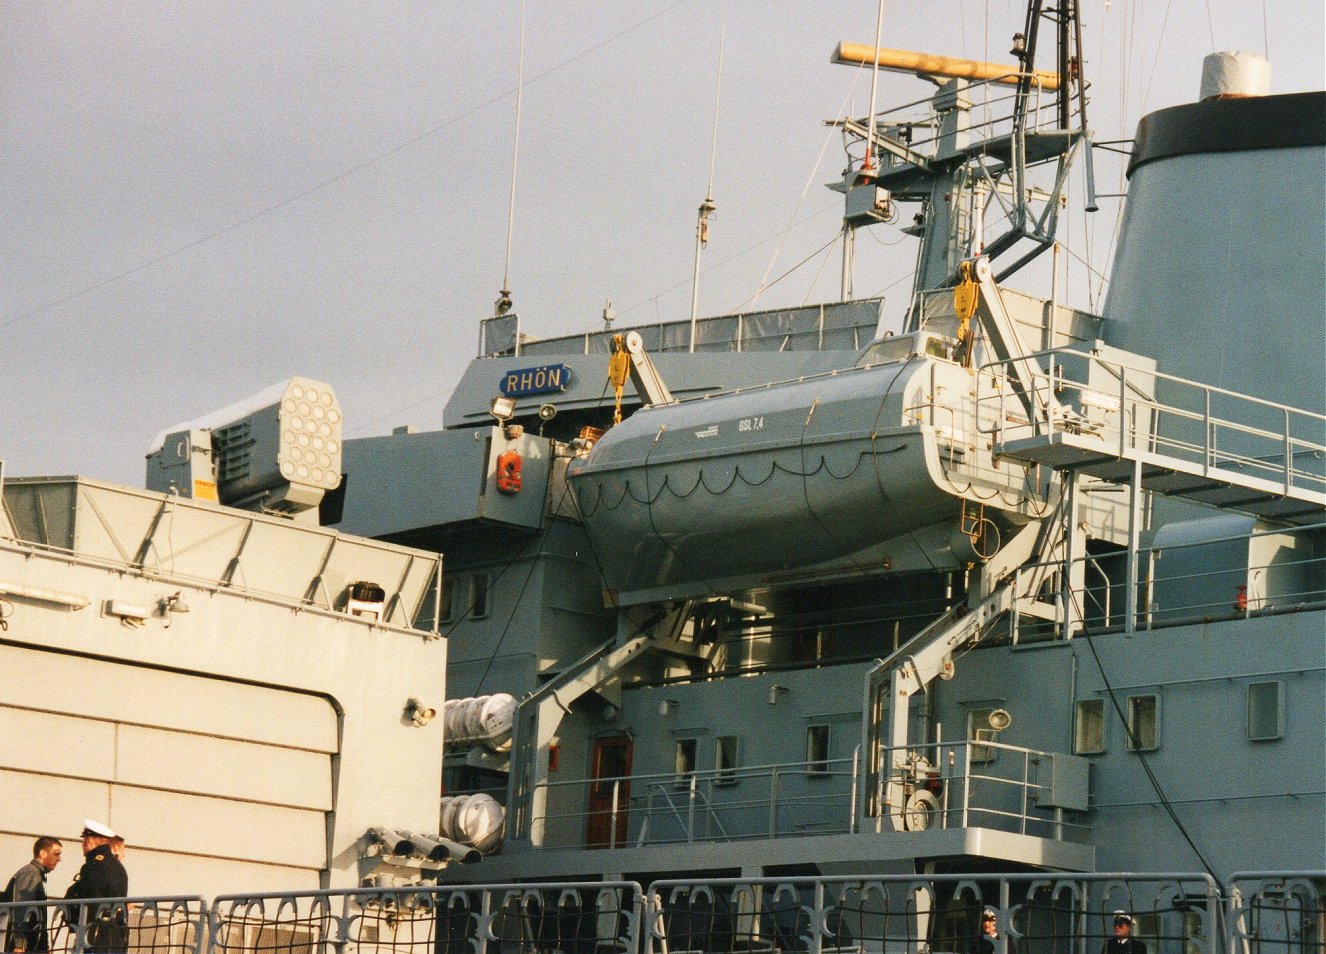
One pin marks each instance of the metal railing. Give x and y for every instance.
(845, 326)
(728, 804)
(1139, 412)
(979, 784)
(443, 919)
(142, 925)
(1222, 577)
(893, 914)
(1036, 913)
(985, 784)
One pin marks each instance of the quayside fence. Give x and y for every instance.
(1038, 913)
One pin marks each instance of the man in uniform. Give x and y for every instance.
(102, 876)
(27, 931)
(987, 941)
(1123, 941)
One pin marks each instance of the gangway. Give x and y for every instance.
(1168, 435)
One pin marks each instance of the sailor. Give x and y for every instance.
(102, 876)
(987, 941)
(1123, 941)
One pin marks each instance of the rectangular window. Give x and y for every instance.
(979, 729)
(726, 758)
(448, 599)
(817, 750)
(1266, 706)
(1143, 723)
(685, 763)
(479, 596)
(1089, 727)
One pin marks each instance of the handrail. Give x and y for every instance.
(1107, 363)
(1248, 912)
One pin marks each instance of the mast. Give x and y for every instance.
(963, 173)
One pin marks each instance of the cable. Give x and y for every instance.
(338, 177)
(765, 287)
(731, 258)
(1133, 741)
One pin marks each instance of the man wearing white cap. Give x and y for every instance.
(102, 876)
(1123, 941)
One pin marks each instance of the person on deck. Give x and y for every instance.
(102, 877)
(1123, 941)
(27, 928)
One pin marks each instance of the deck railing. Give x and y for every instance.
(1233, 576)
(727, 804)
(1142, 411)
(981, 784)
(1036, 913)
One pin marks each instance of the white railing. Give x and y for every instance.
(976, 784)
(1138, 412)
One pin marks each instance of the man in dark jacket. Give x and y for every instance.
(1123, 941)
(27, 928)
(102, 876)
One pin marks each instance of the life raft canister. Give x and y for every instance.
(508, 472)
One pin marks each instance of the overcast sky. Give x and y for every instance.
(199, 199)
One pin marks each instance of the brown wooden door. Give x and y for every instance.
(610, 769)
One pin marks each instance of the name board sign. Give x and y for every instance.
(545, 379)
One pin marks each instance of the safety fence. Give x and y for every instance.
(725, 804)
(1034, 913)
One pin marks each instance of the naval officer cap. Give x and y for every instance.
(1122, 917)
(96, 829)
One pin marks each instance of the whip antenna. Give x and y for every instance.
(503, 303)
(707, 207)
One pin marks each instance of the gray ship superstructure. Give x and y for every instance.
(1042, 595)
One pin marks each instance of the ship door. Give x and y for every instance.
(609, 792)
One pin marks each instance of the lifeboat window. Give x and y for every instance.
(685, 762)
(1266, 711)
(1143, 723)
(938, 348)
(1089, 727)
(817, 750)
(727, 751)
(479, 596)
(887, 351)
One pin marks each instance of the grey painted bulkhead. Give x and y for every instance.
(187, 674)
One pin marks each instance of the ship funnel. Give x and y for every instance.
(1235, 76)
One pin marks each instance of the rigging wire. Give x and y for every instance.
(814, 282)
(842, 111)
(766, 286)
(1266, 34)
(331, 180)
(727, 261)
(1210, 25)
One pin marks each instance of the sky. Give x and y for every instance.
(198, 200)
